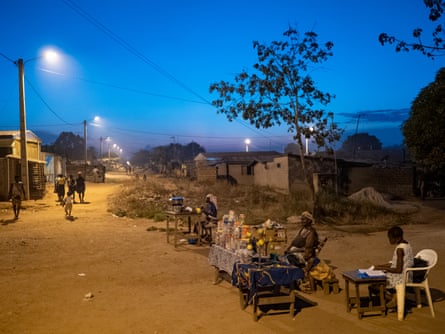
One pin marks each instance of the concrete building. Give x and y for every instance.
(10, 160)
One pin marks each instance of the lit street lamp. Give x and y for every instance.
(108, 140)
(24, 171)
(247, 142)
(95, 120)
(311, 129)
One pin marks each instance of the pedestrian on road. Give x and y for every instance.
(80, 186)
(68, 203)
(71, 185)
(60, 187)
(16, 195)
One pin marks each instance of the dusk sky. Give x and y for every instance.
(145, 67)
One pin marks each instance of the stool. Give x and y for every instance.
(330, 284)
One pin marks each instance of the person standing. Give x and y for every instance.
(16, 195)
(60, 187)
(80, 187)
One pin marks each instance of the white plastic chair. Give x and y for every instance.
(430, 256)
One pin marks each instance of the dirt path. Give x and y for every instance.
(138, 283)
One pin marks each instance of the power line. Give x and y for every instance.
(133, 90)
(127, 46)
(123, 43)
(46, 104)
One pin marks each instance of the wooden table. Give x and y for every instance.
(266, 284)
(223, 260)
(176, 217)
(364, 304)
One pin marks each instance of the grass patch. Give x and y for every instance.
(149, 199)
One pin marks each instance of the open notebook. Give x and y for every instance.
(371, 272)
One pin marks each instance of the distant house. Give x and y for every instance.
(10, 159)
(283, 172)
(235, 167)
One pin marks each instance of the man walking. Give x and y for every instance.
(16, 194)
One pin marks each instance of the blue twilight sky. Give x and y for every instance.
(145, 67)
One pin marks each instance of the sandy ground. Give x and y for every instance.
(103, 274)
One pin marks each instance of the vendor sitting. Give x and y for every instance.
(210, 211)
(302, 250)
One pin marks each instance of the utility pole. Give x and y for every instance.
(355, 137)
(23, 141)
(100, 149)
(86, 151)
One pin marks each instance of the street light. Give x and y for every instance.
(95, 120)
(100, 148)
(108, 140)
(247, 142)
(24, 171)
(308, 135)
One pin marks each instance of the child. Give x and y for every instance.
(68, 203)
(402, 258)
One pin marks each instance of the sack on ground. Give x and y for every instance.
(322, 271)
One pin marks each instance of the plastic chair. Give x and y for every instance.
(430, 256)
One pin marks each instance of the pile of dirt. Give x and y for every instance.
(370, 195)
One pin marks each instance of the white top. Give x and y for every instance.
(408, 261)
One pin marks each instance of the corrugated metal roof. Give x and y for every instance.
(15, 134)
(241, 158)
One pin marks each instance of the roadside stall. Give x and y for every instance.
(177, 215)
(251, 255)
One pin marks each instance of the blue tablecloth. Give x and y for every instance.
(252, 276)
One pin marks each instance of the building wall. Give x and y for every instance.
(7, 173)
(241, 175)
(284, 173)
(273, 174)
(205, 173)
(32, 149)
(235, 173)
(10, 167)
(397, 181)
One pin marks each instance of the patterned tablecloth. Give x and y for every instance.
(222, 258)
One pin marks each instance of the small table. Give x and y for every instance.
(223, 260)
(266, 284)
(180, 216)
(358, 279)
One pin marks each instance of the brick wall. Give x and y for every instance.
(397, 181)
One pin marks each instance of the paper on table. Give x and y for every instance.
(371, 272)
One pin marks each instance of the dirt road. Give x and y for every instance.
(103, 274)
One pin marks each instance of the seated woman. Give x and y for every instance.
(209, 209)
(302, 250)
(402, 258)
